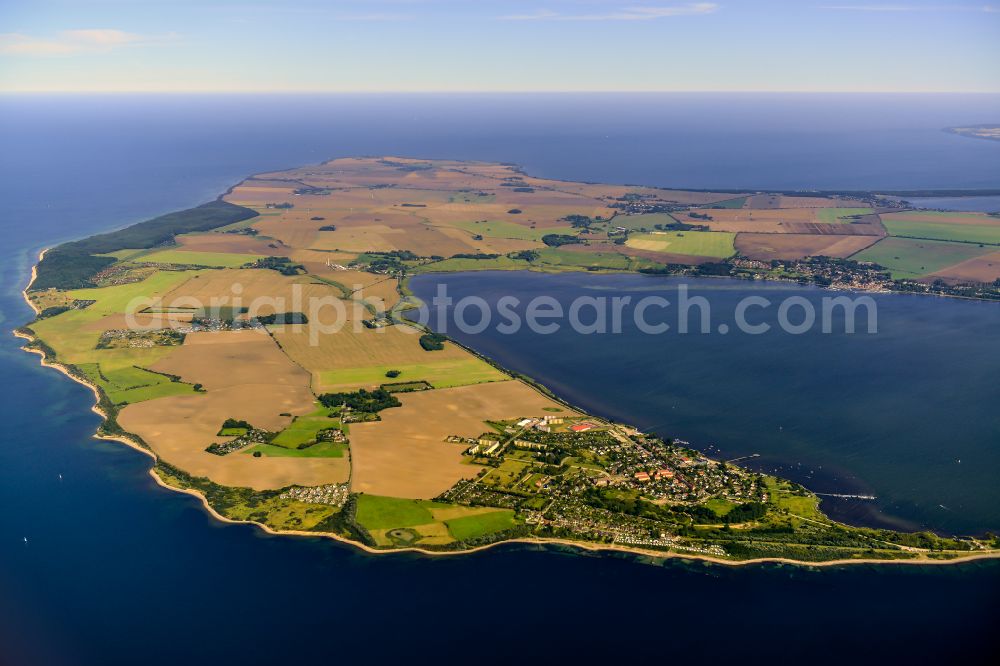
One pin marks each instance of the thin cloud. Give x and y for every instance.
(71, 42)
(373, 17)
(911, 8)
(624, 14)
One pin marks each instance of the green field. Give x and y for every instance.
(304, 428)
(501, 263)
(65, 334)
(647, 221)
(377, 513)
(127, 385)
(244, 224)
(966, 233)
(439, 374)
(319, 450)
(837, 215)
(728, 203)
(783, 496)
(210, 259)
(950, 217)
(910, 258)
(696, 243)
(125, 255)
(719, 506)
(472, 527)
(113, 300)
(505, 229)
(556, 257)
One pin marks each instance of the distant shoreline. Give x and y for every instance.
(987, 131)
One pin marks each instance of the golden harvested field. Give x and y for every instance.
(533, 213)
(636, 253)
(815, 202)
(363, 286)
(235, 243)
(418, 237)
(488, 244)
(742, 219)
(368, 238)
(178, 429)
(316, 261)
(387, 204)
(694, 198)
(246, 377)
(944, 217)
(799, 246)
(233, 358)
(783, 221)
(405, 455)
(978, 269)
(763, 202)
(444, 372)
(382, 295)
(589, 190)
(292, 232)
(262, 291)
(139, 320)
(357, 347)
(258, 197)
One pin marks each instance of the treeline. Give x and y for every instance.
(741, 513)
(579, 221)
(72, 265)
(432, 341)
(361, 400)
(474, 255)
(711, 268)
(555, 240)
(283, 265)
(629, 505)
(283, 318)
(388, 262)
(681, 226)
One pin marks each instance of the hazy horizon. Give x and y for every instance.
(920, 46)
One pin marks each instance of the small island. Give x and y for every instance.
(191, 330)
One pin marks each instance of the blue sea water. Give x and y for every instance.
(966, 204)
(98, 565)
(903, 414)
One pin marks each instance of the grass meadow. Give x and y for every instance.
(911, 258)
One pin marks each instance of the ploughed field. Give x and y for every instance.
(255, 346)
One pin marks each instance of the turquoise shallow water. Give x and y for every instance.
(117, 570)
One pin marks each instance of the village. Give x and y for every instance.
(584, 478)
(334, 494)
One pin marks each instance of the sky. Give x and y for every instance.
(499, 45)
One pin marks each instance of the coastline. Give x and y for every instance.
(580, 545)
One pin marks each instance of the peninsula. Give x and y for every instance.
(197, 334)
